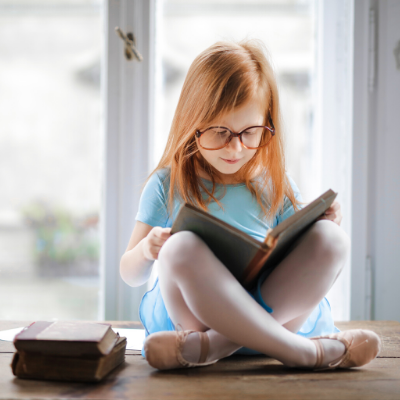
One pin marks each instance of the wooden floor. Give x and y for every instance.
(238, 377)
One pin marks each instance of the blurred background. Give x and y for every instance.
(338, 70)
(50, 157)
(50, 130)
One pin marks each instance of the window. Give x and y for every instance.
(52, 151)
(50, 107)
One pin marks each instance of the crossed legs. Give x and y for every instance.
(201, 294)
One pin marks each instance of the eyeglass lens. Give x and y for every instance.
(214, 138)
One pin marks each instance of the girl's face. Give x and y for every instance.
(232, 157)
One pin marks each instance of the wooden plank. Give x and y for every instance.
(236, 377)
(233, 378)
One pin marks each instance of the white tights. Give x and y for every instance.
(202, 295)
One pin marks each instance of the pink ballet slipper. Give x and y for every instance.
(164, 349)
(362, 346)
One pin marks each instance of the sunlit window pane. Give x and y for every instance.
(49, 159)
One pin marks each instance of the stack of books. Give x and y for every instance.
(67, 351)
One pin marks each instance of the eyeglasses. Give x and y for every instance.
(253, 137)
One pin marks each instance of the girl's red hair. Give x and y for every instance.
(220, 79)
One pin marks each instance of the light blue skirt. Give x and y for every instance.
(155, 318)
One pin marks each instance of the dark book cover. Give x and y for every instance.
(28, 365)
(244, 256)
(73, 338)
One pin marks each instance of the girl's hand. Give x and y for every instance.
(154, 240)
(333, 213)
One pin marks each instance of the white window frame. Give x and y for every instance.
(361, 274)
(128, 134)
(333, 122)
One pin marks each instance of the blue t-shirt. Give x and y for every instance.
(240, 207)
(241, 210)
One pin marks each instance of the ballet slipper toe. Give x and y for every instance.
(160, 350)
(163, 350)
(361, 347)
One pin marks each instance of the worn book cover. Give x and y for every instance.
(79, 369)
(61, 338)
(243, 255)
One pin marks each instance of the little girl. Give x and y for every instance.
(225, 155)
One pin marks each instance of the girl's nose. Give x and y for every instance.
(235, 144)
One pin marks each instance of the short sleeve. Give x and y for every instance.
(153, 203)
(288, 209)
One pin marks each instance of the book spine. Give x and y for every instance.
(269, 239)
(254, 267)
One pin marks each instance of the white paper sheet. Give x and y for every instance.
(9, 334)
(134, 337)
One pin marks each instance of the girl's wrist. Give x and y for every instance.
(143, 244)
(135, 268)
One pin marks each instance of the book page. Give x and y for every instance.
(61, 330)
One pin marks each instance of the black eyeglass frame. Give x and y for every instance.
(238, 135)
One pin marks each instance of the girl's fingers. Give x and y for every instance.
(155, 249)
(157, 241)
(333, 208)
(336, 218)
(158, 236)
(333, 213)
(165, 233)
(330, 217)
(151, 250)
(162, 232)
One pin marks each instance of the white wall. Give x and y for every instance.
(385, 226)
(376, 162)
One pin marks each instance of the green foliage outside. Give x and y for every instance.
(60, 237)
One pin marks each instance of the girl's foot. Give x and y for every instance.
(219, 347)
(164, 350)
(332, 351)
(361, 347)
(192, 347)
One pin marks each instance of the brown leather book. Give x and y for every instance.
(63, 338)
(78, 369)
(243, 255)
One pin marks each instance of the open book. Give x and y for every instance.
(246, 257)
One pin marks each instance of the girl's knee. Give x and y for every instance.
(330, 240)
(179, 249)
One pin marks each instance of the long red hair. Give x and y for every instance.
(220, 79)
